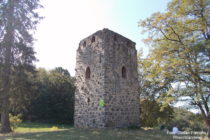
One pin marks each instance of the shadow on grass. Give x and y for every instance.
(90, 134)
(40, 125)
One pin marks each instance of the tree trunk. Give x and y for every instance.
(5, 124)
(9, 41)
(208, 124)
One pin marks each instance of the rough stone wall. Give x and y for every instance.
(121, 98)
(89, 91)
(112, 60)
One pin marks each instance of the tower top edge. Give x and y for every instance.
(106, 32)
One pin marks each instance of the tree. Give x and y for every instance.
(150, 85)
(18, 19)
(186, 120)
(62, 71)
(53, 101)
(154, 113)
(180, 41)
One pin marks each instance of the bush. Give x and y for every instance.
(154, 113)
(14, 120)
(186, 121)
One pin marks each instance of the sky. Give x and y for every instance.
(67, 22)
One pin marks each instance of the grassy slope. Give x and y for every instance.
(50, 132)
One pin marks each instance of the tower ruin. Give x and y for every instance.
(106, 82)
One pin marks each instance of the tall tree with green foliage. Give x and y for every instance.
(18, 20)
(153, 113)
(180, 52)
(149, 82)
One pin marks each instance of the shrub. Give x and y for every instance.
(14, 120)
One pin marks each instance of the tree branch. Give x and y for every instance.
(202, 110)
(176, 34)
(205, 104)
(168, 37)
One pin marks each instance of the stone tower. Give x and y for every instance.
(106, 82)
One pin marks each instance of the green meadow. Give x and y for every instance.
(35, 131)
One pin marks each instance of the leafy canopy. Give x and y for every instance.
(179, 59)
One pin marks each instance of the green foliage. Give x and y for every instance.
(53, 101)
(187, 121)
(180, 53)
(153, 114)
(150, 84)
(14, 121)
(196, 122)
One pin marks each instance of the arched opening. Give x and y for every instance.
(87, 73)
(84, 43)
(88, 100)
(123, 72)
(93, 39)
(128, 43)
(115, 38)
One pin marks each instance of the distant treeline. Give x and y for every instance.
(155, 114)
(51, 97)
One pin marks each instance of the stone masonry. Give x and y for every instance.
(106, 82)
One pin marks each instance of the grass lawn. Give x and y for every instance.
(34, 131)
